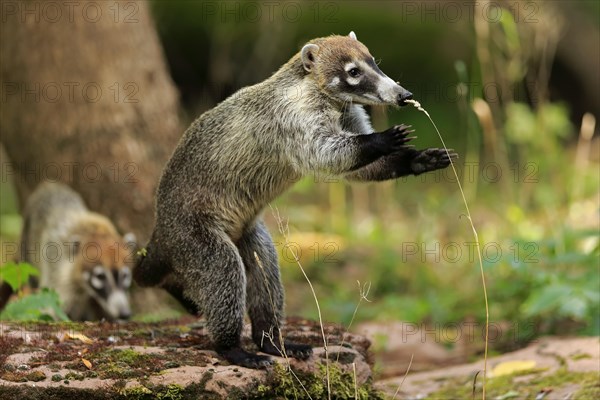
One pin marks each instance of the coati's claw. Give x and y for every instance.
(396, 137)
(299, 351)
(294, 350)
(241, 357)
(432, 159)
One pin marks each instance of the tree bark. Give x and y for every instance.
(87, 100)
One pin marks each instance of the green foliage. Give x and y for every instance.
(526, 127)
(17, 275)
(10, 224)
(41, 306)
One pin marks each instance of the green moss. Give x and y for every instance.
(580, 356)
(297, 385)
(54, 367)
(528, 388)
(171, 392)
(17, 376)
(590, 389)
(136, 393)
(91, 374)
(14, 376)
(128, 356)
(74, 376)
(36, 376)
(160, 392)
(124, 364)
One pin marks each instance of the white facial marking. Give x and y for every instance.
(349, 66)
(116, 303)
(351, 80)
(387, 89)
(371, 97)
(129, 237)
(98, 279)
(125, 277)
(335, 81)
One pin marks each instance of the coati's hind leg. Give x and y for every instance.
(264, 293)
(176, 290)
(214, 281)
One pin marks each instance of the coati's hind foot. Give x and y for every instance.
(294, 350)
(432, 159)
(243, 358)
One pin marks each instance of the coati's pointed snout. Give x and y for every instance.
(403, 96)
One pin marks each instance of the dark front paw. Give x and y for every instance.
(241, 357)
(294, 350)
(299, 351)
(431, 160)
(394, 139)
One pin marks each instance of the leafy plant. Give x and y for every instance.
(17, 275)
(41, 306)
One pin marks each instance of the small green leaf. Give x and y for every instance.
(17, 275)
(548, 298)
(41, 306)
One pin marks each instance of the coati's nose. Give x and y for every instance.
(403, 96)
(124, 314)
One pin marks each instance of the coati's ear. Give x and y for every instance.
(352, 35)
(308, 54)
(74, 245)
(130, 238)
(130, 241)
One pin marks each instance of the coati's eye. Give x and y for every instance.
(354, 72)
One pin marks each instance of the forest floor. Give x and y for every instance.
(550, 368)
(169, 360)
(172, 360)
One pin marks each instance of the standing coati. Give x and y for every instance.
(79, 254)
(240, 155)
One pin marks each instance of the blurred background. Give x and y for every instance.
(514, 88)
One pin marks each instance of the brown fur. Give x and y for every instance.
(242, 154)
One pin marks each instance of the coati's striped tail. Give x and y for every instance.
(150, 269)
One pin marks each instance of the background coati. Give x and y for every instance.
(240, 155)
(79, 254)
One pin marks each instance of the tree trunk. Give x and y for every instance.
(87, 100)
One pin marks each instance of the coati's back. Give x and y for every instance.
(47, 210)
(79, 254)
